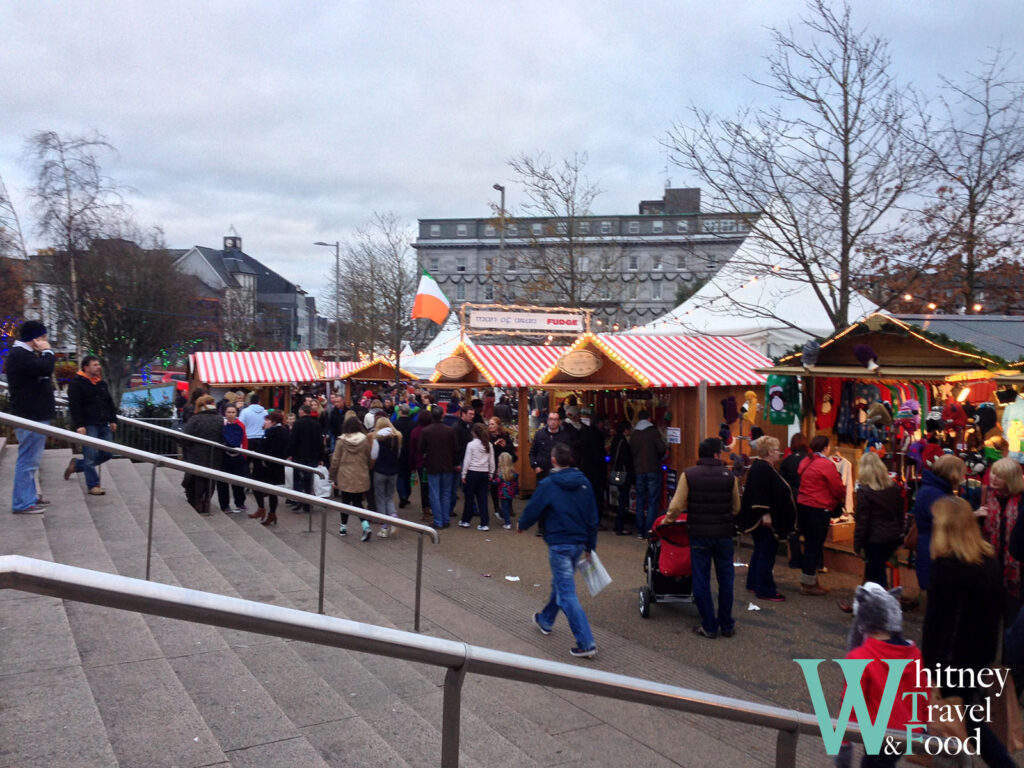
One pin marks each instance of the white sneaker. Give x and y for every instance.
(507, 527)
(463, 525)
(483, 527)
(382, 533)
(343, 530)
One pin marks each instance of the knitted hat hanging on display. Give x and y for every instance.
(725, 434)
(730, 410)
(866, 356)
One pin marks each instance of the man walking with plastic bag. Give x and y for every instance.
(565, 502)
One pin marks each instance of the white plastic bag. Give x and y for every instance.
(321, 485)
(595, 576)
(289, 477)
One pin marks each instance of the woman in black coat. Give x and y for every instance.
(767, 511)
(501, 442)
(207, 423)
(965, 603)
(881, 507)
(275, 443)
(622, 463)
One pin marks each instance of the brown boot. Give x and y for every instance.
(271, 519)
(259, 514)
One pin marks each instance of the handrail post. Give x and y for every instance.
(149, 532)
(785, 749)
(323, 554)
(419, 581)
(451, 717)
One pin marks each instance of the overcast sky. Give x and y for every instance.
(294, 121)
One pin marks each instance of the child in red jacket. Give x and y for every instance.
(877, 633)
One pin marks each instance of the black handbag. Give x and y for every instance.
(619, 476)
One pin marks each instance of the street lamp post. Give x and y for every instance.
(501, 245)
(337, 292)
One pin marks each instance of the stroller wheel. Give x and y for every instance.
(645, 602)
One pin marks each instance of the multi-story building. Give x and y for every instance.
(628, 268)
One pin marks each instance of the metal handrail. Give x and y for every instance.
(215, 474)
(179, 435)
(115, 591)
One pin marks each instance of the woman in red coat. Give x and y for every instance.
(821, 489)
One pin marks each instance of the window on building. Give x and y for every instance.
(460, 292)
(681, 260)
(511, 263)
(584, 228)
(634, 261)
(488, 264)
(727, 225)
(512, 230)
(434, 263)
(656, 261)
(536, 228)
(657, 227)
(606, 289)
(633, 291)
(460, 263)
(682, 226)
(606, 227)
(435, 230)
(656, 290)
(460, 230)
(489, 292)
(710, 225)
(634, 227)
(489, 230)
(562, 228)
(742, 226)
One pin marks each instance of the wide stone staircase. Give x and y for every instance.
(82, 685)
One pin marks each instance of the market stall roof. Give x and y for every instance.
(444, 344)
(666, 361)
(254, 368)
(759, 297)
(500, 365)
(903, 351)
(378, 369)
(999, 335)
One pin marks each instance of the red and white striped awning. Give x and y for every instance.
(334, 370)
(352, 368)
(680, 361)
(250, 368)
(514, 365)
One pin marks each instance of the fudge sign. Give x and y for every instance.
(537, 322)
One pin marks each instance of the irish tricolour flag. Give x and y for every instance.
(430, 302)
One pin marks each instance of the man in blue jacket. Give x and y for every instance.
(565, 502)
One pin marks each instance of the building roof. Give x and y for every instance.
(999, 335)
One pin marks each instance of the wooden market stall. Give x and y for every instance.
(261, 371)
(508, 366)
(378, 370)
(681, 380)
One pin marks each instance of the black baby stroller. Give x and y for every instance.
(667, 565)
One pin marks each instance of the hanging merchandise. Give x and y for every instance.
(1013, 428)
(730, 411)
(985, 418)
(846, 420)
(783, 398)
(826, 403)
(750, 407)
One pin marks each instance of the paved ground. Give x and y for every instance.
(759, 657)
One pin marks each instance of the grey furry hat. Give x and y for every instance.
(875, 610)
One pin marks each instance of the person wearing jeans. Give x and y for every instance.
(439, 446)
(565, 500)
(29, 371)
(92, 413)
(648, 449)
(709, 493)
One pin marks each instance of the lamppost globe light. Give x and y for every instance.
(499, 188)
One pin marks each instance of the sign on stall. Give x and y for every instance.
(675, 436)
(536, 322)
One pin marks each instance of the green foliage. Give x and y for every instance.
(151, 410)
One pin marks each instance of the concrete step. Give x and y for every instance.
(48, 715)
(381, 689)
(149, 715)
(239, 710)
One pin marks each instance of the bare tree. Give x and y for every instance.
(134, 303)
(568, 264)
(825, 163)
(378, 283)
(74, 203)
(12, 243)
(970, 225)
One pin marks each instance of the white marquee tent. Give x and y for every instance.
(422, 364)
(758, 298)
